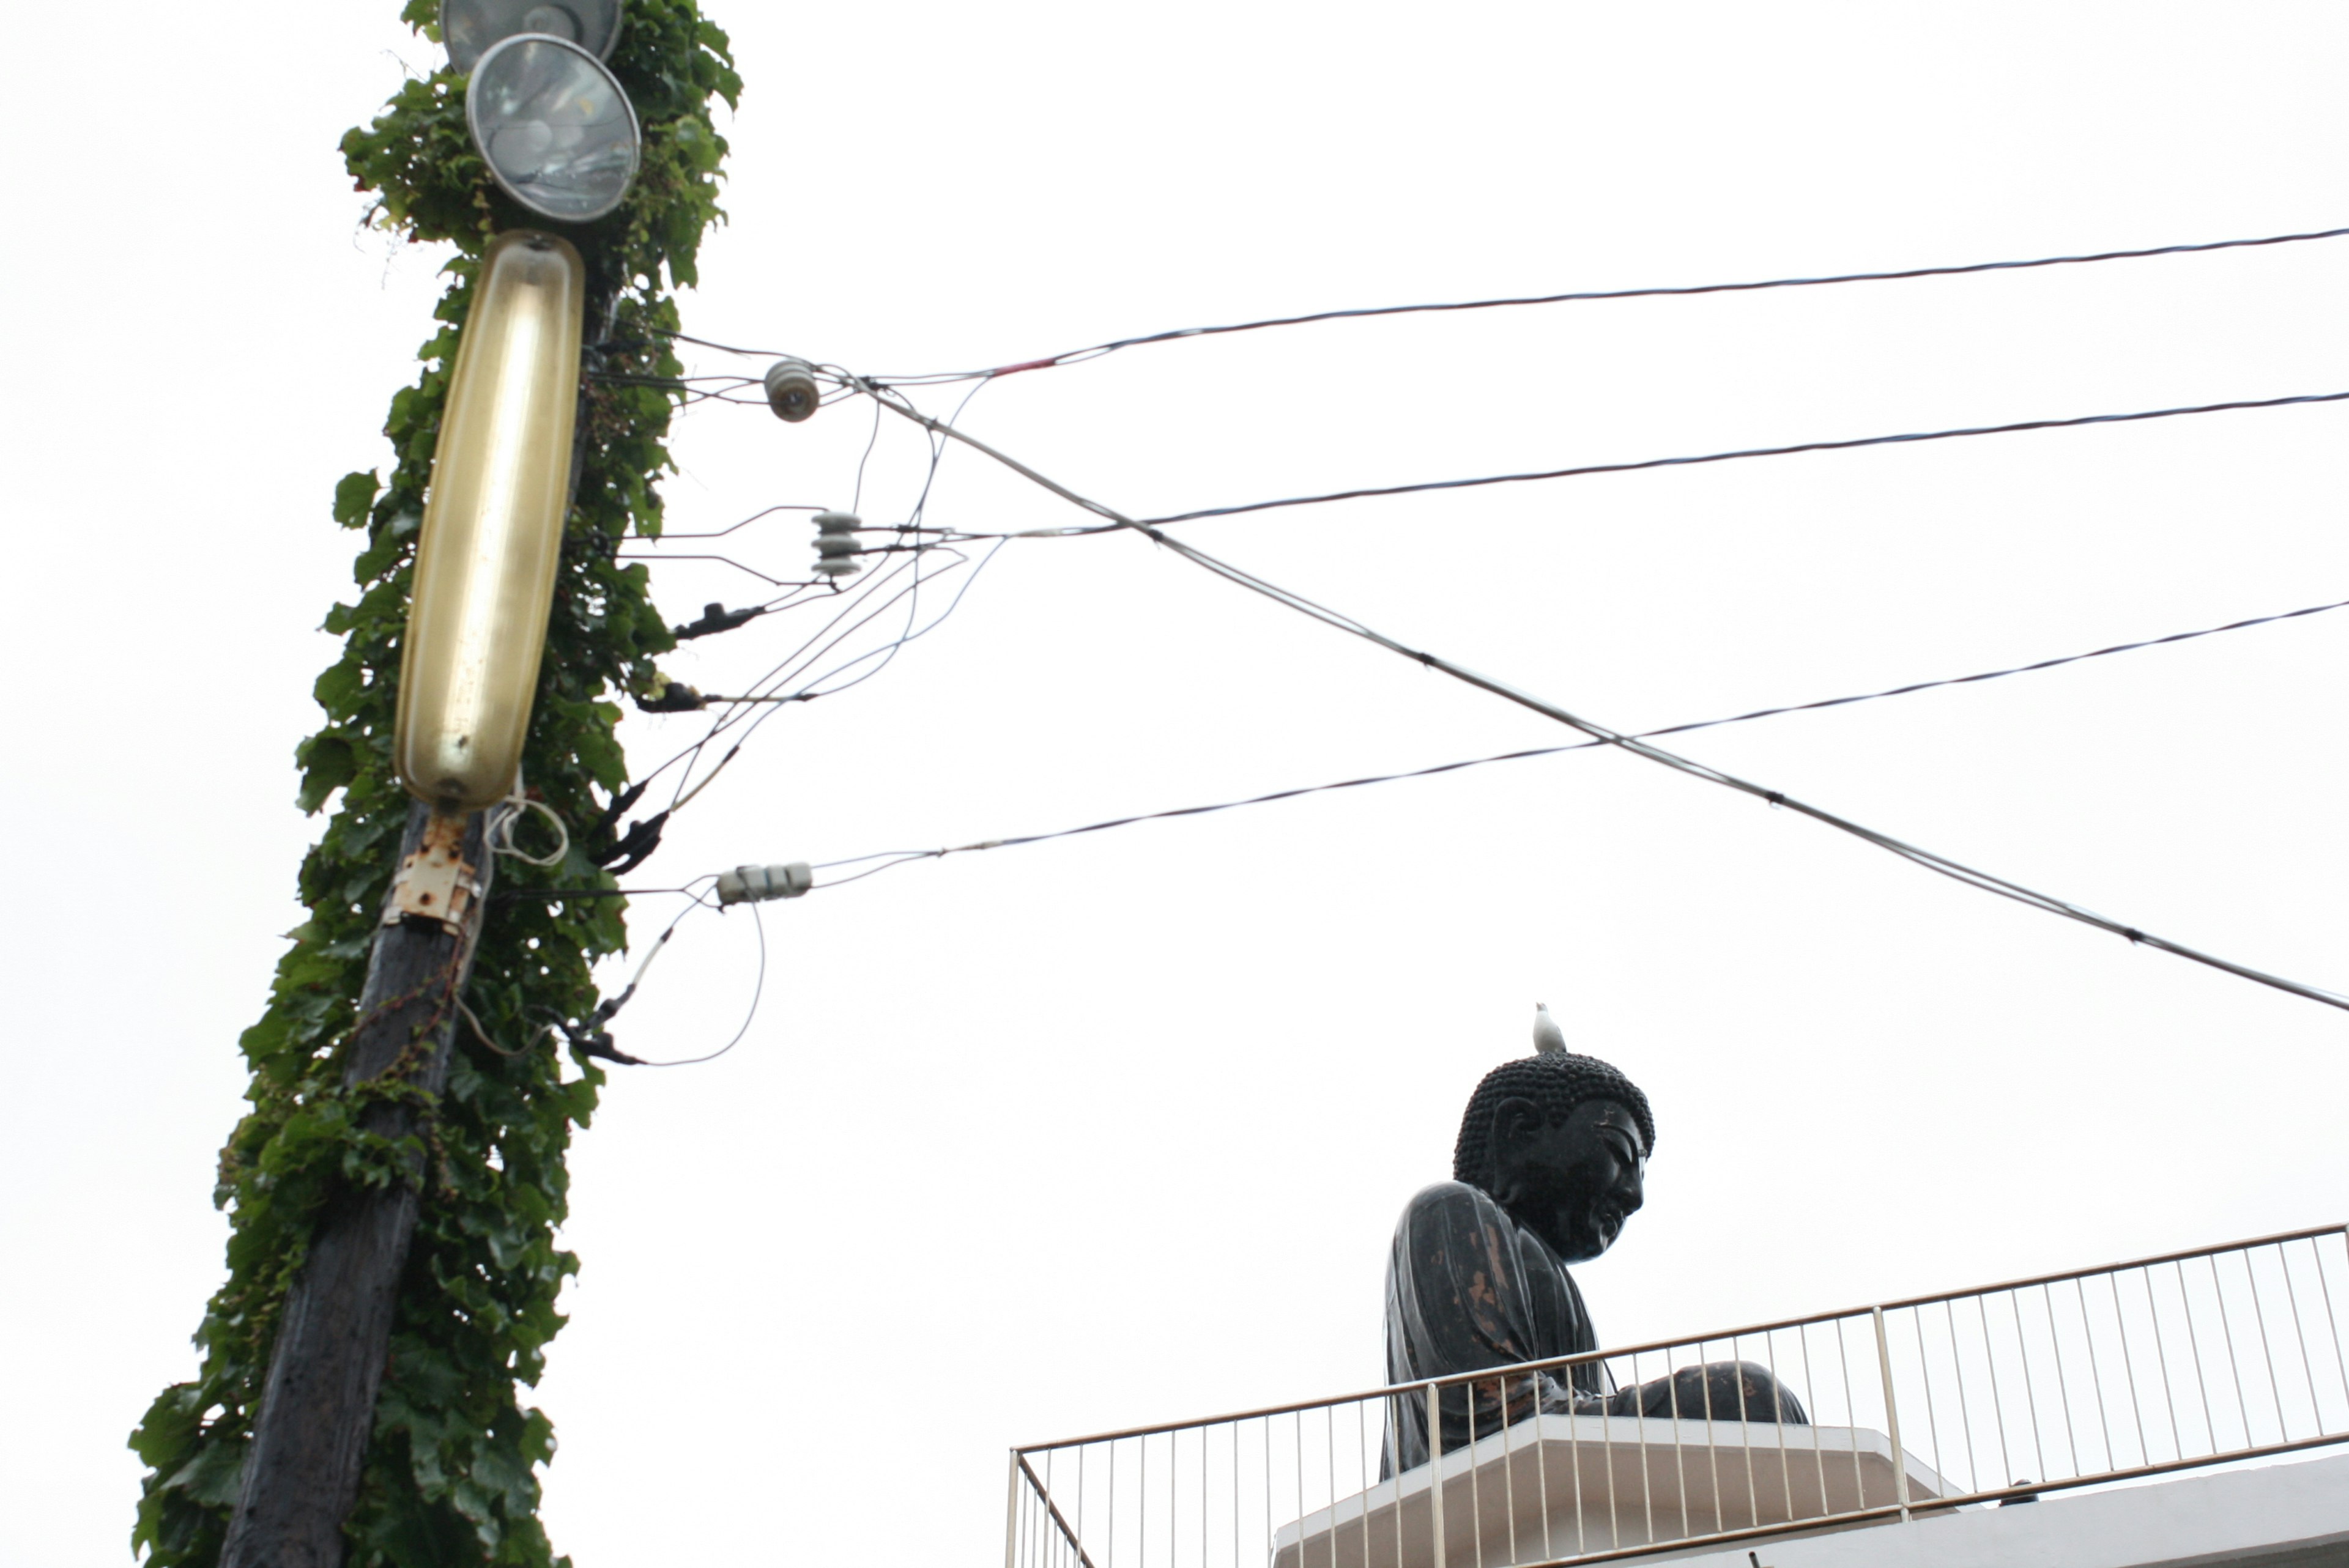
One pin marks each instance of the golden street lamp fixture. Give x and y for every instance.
(492, 530)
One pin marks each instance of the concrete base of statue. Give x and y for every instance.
(1560, 1486)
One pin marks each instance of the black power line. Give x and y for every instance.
(1841, 446)
(1644, 749)
(900, 857)
(1078, 355)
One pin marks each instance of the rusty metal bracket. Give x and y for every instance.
(436, 883)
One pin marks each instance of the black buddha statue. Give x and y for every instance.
(1552, 1153)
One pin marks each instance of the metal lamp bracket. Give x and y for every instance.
(436, 883)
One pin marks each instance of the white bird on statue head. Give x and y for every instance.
(1548, 1036)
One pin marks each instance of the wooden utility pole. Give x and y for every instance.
(317, 1409)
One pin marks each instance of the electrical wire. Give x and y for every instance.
(1288, 599)
(767, 691)
(1098, 350)
(900, 857)
(757, 990)
(508, 815)
(1579, 471)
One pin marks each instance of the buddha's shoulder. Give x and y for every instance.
(1451, 1203)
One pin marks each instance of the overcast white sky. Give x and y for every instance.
(1114, 1129)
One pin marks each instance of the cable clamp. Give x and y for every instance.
(436, 883)
(746, 884)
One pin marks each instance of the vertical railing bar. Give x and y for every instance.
(1851, 1414)
(1606, 1438)
(1206, 1494)
(1924, 1370)
(2234, 1363)
(1965, 1411)
(1329, 1448)
(1113, 1503)
(2161, 1362)
(1508, 1476)
(2340, 1362)
(1810, 1383)
(1679, 1453)
(1141, 1507)
(2301, 1334)
(1296, 1424)
(1268, 1476)
(1745, 1426)
(1475, 1488)
(1997, 1405)
(2062, 1383)
(2129, 1370)
(1394, 1413)
(1080, 1487)
(2194, 1348)
(1541, 1453)
(1785, 1466)
(2267, 1356)
(1891, 1420)
(1647, 1478)
(1574, 1452)
(1711, 1447)
(2095, 1374)
(2030, 1393)
(1011, 1513)
(1236, 1500)
(1435, 1469)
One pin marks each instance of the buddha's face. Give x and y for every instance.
(1571, 1183)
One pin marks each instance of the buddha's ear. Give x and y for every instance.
(1517, 1120)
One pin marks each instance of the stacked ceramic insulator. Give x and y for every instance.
(836, 546)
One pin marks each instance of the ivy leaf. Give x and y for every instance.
(354, 494)
(328, 762)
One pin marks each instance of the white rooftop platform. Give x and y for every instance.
(1610, 1481)
(2284, 1515)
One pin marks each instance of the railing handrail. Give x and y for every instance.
(2310, 1234)
(1589, 1357)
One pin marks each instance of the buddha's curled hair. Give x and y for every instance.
(1556, 1081)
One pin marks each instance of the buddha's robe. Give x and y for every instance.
(1468, 1287)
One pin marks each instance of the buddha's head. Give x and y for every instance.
(1561, 1142)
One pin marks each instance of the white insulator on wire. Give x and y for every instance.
(1548, 1037)
(749, 884)
(791, 391)
(836, 545)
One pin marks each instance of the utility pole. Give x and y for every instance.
(505, 475)
(317, 1409)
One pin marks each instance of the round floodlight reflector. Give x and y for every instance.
(560, 136)
(470, 29)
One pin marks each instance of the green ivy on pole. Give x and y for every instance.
(451, 1474)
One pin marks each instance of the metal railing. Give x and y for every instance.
(2095, 1377)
